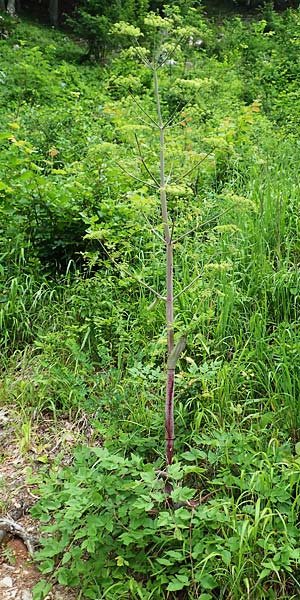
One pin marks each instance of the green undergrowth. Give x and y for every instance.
(79, 332)
(231, 531)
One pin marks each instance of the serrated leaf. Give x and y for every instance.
(41, 589)
(63, 576)
(182, 494)
(178, 583)
(47, 566)
(66, 557)
(143, 503)
(175, 472)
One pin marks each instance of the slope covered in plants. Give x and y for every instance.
(81, 252)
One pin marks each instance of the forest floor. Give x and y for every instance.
(23, 457)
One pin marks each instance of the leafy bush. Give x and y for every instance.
(7, 25)
(93, 19)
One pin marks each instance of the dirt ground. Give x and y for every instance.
(24, 451)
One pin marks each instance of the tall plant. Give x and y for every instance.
(162, 56)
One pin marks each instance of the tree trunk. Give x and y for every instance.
(53, 12)
(2, 5)
(11, 8)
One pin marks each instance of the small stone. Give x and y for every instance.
(6, 582)
(26, 595)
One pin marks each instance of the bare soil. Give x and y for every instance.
(25, 450)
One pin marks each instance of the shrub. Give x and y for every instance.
(93, 19)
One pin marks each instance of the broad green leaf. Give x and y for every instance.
(178, 583)
(41, 589)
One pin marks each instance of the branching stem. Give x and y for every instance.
(201, 225)
(194, 166)
(136, 178)
(143, 161)
(153, 230)
(136, 277)
(187, 287)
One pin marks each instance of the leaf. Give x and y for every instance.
(127, 538)
(207, 581)
(264, 573)
(5, 188)
(91, 593)
(192, 455)
(165, 562)
(176, 555)
(63, 576)
(297, 448)
(47, 566)
(175, 472)
(182, 494)
(226, 557)
(66, 557)
(177, 350)
(41, 589)
(42, 458)
(143, 503)
(194, 469)
(178, 583)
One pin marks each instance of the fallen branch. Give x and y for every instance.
(10, 526)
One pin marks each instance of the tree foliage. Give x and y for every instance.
(93, 19)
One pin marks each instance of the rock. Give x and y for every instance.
(6, 582)
(26, 595)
